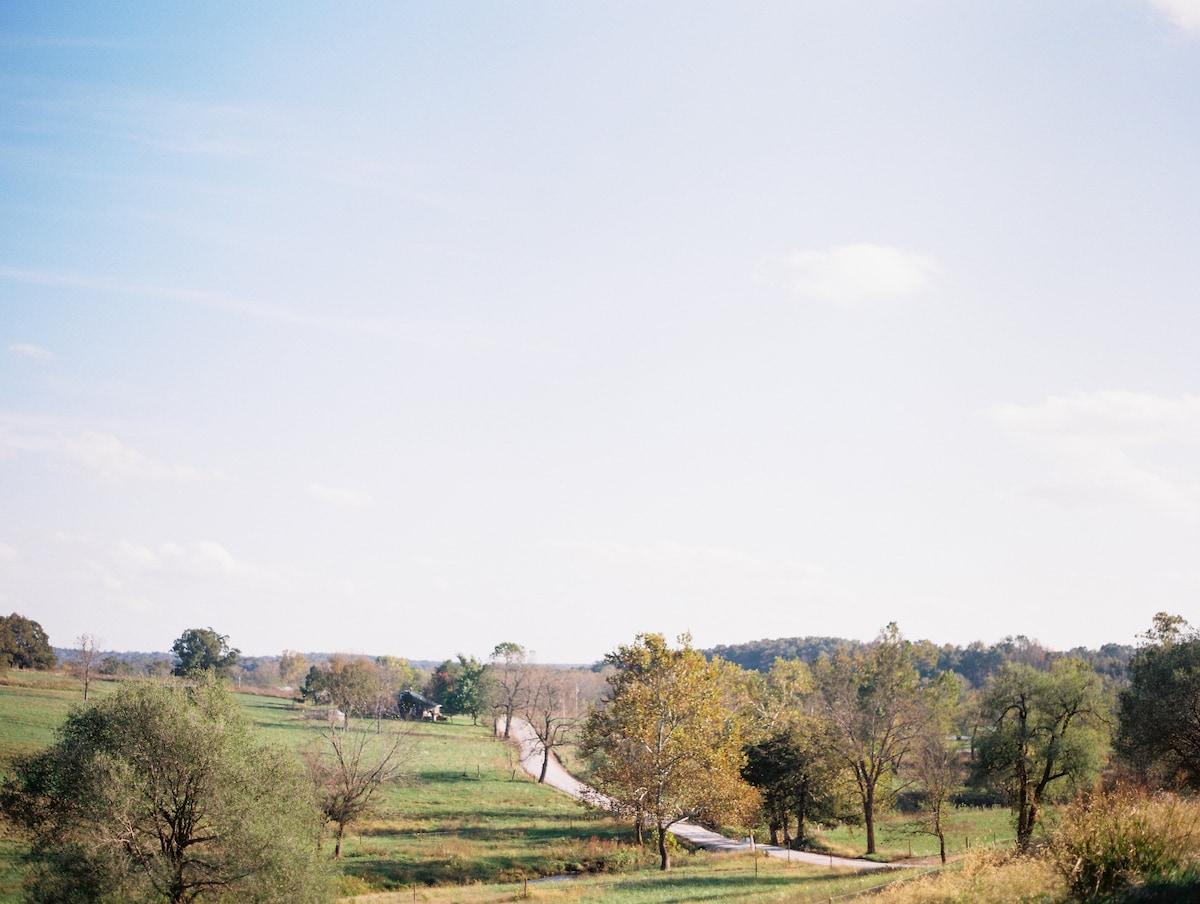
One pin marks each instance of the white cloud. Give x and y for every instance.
(84, 450)
(339, 495)
(851, 273)
(32, 351)
(199, 559)
(105, 575)
(1183, 13)
(1111, 446)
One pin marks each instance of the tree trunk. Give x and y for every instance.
(665, 858)
(942, 845)
(337, 847)
(869, 816)
(545, 765)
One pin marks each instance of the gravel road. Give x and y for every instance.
(558, 777)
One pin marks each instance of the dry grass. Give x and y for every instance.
(1126, 837)
(983, 877)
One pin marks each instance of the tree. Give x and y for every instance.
(663, 747)
(347, 772)
(1159, 713)
(780, 694)
(85, 658)
(1045, 728)
(547, 711)
(937, 767)
(292, 667)
(24, 645)
(161, 793)
(351, 683)
(200, 650)
(799, 773)
(509, 672)
(876, 700)
(464, 687)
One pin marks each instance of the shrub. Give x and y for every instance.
(1125, 837)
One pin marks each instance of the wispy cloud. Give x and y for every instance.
(126, 565)
(1113, 446)
(199, 559)
(848, 274)
(1183, 13)
(689, 566)
(443, 336)
(31, 351)
(341, 496)
(85, 450)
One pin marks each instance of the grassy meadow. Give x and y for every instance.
(901, 837)
(467, 825)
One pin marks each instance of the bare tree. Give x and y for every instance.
(510, 671)
(548, 708)
(348, 769)
(86, 647)
(938, 767)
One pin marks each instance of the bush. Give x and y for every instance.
(1114, 840)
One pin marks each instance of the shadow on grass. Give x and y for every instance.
(560, 828)
(709, 887)
(682, 884)
(1184, 890)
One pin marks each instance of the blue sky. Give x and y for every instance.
(411, 329)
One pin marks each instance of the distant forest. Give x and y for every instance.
(974, 662)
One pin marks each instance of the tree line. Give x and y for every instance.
(975, 662)
(684, 735)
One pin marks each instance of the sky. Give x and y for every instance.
(411, 329)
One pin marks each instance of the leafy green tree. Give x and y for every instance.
(664, 746)
(1159, 713)
(878, 704)
(200, 650)
(24, 644)
(1045, 728)
(162, 793)
(464, 687)
(798, 772)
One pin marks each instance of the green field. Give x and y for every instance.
(467, 825)
(899, 837)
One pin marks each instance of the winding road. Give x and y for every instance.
(557, 777)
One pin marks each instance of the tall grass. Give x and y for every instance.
(982, 877)
(1125, 837)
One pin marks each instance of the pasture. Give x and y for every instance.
(467, 825)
